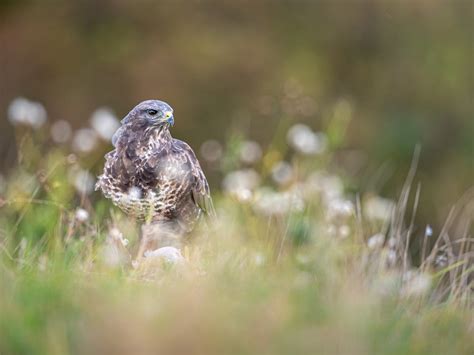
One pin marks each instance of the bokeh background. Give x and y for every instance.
(399, 71)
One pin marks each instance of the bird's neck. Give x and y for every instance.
(159, 135)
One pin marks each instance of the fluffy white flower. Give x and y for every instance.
(268, 202)
(81, 215)
(250, 152)
(391, 257)
(211, 150)
(428, 231)
(340, 209)
(105, 123)
(376, 241)
(241, 183)
(85, 140)
(243, 195)
(259, 259)
(82, 180)
(344, 231)
(26, 112)
(61, 131)
(441, 260)
(301, 138)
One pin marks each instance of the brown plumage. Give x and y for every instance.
(152, 176)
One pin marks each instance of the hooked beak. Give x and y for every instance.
(169, 117)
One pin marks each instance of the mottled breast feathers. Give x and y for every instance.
(154, 177)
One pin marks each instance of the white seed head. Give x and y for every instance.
(331, 230)
(105, 123)
(340, 209)
(269, 202)
(301, 138)
(391, 257)
(240, 180)
(211, 150)
(428, 231)
(376, 241)
(250, 152)
(25, 112)
(61, 131)
(85, 140)
(82, 215)
(259, 259)
(82, 180)
(344, 231)
(243, 195)
(441, 260)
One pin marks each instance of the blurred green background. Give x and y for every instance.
(404, 69)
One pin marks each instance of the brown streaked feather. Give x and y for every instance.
(200, 187)
(154, 177)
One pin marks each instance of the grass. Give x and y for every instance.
(304, 278)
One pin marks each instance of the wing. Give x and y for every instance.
(201, 193)
(121, 163)
(117, 135)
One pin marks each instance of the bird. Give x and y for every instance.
(154, 177)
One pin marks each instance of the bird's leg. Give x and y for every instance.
(145, 239)
(158, 235)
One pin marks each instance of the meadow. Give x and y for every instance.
(297, 261)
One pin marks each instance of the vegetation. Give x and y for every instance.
(337, 137)
(296, 262)
(249, 66)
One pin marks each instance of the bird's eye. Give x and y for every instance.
(152, 112)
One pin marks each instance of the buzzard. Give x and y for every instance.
(154, 177)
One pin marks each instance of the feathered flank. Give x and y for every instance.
(152, 176)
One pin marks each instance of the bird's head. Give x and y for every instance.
(151, 113)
